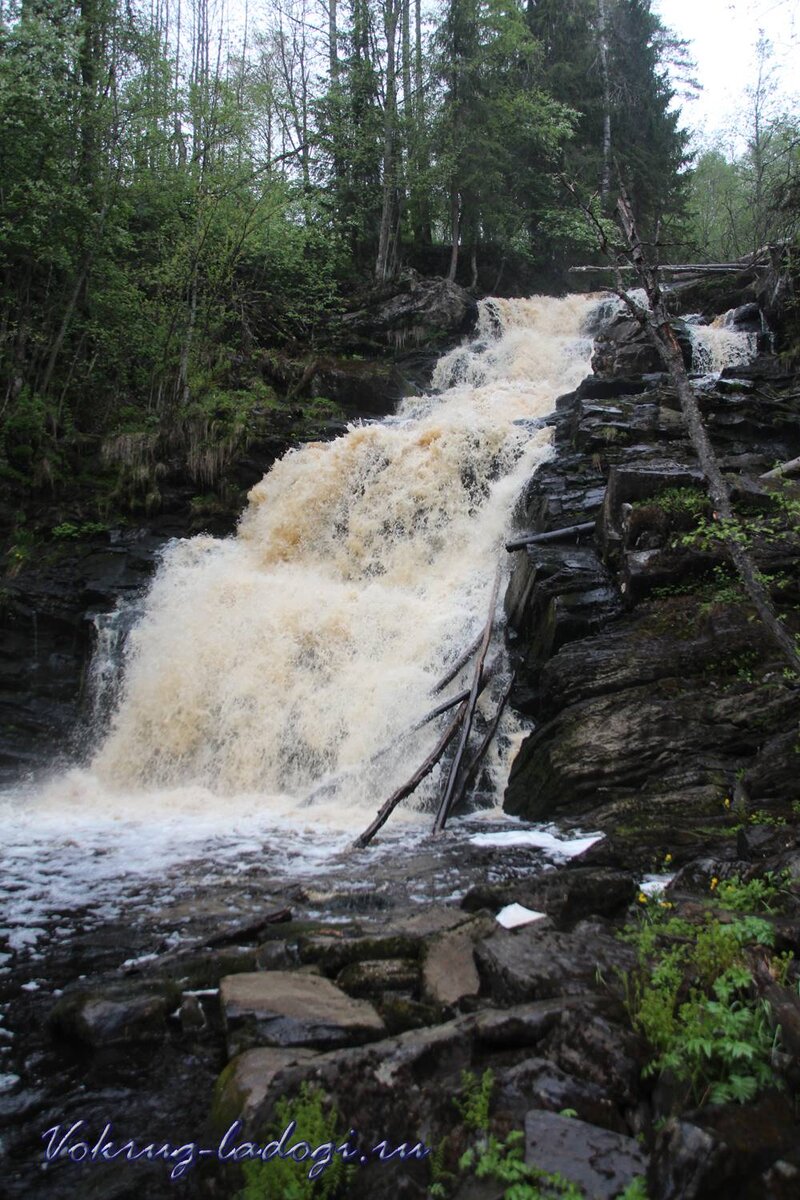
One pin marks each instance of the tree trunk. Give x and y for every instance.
(389, 164)
(455, 220)
(660, 330)
(605, 186)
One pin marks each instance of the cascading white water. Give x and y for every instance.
(268, 669)
(717, 346)
(299, 648)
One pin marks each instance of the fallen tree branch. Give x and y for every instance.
(447, 798)
(413, 783)
(788, 468)
(552, 535)
(655, 321)
(479, 755)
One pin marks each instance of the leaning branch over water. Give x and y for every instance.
(447, 798)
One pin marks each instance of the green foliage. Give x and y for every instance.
(475, 1101)
(692, 996)
(678, 502)
(284, 1179)
(68, 529)
(504, 1161)
(760, 894)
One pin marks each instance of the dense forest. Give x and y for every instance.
(188, 186)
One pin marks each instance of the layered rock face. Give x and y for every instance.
(652, 685)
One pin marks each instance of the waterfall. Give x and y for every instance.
(719, 345)
(272, 661)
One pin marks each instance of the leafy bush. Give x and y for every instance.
(692, 994)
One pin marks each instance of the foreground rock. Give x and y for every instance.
(286, 1008)
(600, 1162)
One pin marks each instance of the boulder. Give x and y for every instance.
(245, 1082)
(289, 1008)
(409, 312)
(535, 964)
(115, 1014)
(599, 1161)
(372, 978)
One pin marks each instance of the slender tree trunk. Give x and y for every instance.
(391, 13)
(605, 186)
(660, 330)
(333, 42)
(455, 221)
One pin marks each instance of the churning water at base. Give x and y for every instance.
(273, 677)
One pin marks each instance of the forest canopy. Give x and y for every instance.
(187, 184)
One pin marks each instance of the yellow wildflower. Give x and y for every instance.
(667, 859)
(714, 883)
(726, 803)
(666, 904)
(642, 898)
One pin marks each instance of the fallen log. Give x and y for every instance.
(792, 467)
(678, 268)
(552, 535)
(486, 675)
(480, 753)
(413, 783)
(466, 725)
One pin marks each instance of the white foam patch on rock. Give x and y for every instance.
(542, 839)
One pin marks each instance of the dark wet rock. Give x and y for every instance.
(285, 1008)
(623, 348)
(688, 1164)
(600, 1161)
(717, 1152)
(540, 1083)
(566, 896)
(412, 311)
(334, 952)
(371, 978)
(535, 964)
(755, 843)
(361, 387)
(114, 1015)
(558, 594)
(594, 388)
(599, 1050)
(673, 731)
(524, 1025)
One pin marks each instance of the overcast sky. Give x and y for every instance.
(723, 36)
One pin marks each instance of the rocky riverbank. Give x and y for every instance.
(665, 723)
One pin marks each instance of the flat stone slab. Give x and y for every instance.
(600, 1162)
(449, 973)
(289, 1008)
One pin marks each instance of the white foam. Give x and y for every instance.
(542, 839)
